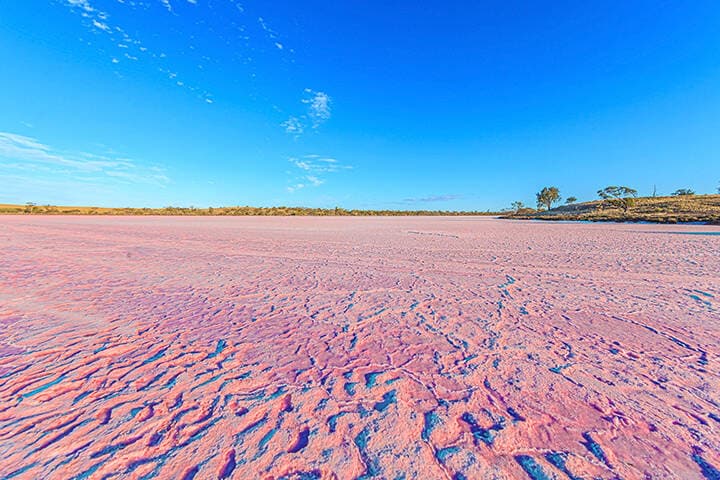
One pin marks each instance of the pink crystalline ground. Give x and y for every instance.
(301, 348)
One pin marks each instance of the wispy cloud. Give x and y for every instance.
(132, 27)
(318, 111)
(101, 26)
(20, 153)
(293, 126)
(263, 24)
(312, 170)
(127, 48)
(433, 198)
(82, 4)
(315, 181)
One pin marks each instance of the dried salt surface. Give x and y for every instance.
(302, 348)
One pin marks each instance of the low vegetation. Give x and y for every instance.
(628, 208)
(33, 209)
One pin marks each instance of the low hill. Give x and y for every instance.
(29, 209)
(684, 208)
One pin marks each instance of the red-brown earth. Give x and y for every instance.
(302, 348)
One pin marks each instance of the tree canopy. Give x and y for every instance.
(547, 197)
(621, 197)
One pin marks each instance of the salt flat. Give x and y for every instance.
(300, 348)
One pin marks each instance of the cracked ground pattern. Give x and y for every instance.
(357, 348)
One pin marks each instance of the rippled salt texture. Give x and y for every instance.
(301, 348)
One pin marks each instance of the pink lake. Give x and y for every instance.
(357, 348)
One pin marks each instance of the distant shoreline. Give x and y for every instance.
(240, 211)
(639, 221)
(684, 209)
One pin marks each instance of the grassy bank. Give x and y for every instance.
(678, 209)
(9, 209)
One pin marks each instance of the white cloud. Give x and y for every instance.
(319, 106)
(83, 4)
(293, 125)
(18, 152)
(300, 164)
(267, 29)
(433, 198)
(313, 170)
(318, 111)
(319, 164)
(315, 181)
(101, 26)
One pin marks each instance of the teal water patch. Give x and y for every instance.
(594, 448)
(44, 387)
(372, 468)
(531, 467)
(708, 471)
(444, 453)
(80, 397)
(350, 388)
(302, 441)
(516, 417)
(701, 300)
(20, 471)
(155, 357)
(704, 294)
(432, 420)
(558, 460)
(388, 399)
(88, 472)
(221, 344)
(371, 379)
(332, 421)
(266, 439)
(485, 435)
(240, 437)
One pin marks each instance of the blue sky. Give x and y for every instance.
(393, 104)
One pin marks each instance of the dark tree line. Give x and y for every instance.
(613, 196)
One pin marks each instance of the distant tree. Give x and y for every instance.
(517, 206)
(547, 197)
(621, 197)
(571, 200)
(682, 192)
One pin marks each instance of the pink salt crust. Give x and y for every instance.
(302, 348)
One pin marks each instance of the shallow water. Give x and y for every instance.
(695, 233)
